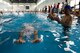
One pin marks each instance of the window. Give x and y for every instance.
(74, 2)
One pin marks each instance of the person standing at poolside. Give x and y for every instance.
(58, 6)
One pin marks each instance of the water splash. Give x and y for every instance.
(68, 43)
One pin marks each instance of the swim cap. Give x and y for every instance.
(67, 7)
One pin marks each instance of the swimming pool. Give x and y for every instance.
(51, 32)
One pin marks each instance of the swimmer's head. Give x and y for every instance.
(25, 24)
(28, 26)
(67, 9)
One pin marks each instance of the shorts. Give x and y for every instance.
(66, 30)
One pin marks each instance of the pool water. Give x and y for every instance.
(51, 32)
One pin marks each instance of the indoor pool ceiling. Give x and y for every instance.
(34, 1)
(23, 1)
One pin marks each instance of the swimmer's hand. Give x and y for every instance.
(36, 40)
(20, 41)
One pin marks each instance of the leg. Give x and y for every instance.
(66, 32)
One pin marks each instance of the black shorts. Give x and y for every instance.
(66, 30)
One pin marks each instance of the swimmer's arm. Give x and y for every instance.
(58, 20)
(36, 39)
(50, 15)
(21, 33)
(55, 18)
(35, 34)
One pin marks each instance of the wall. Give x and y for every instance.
(4, 6)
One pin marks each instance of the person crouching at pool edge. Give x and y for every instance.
(66, 21)
(21, 36)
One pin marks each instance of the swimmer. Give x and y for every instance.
(28, 31)
(66, 21)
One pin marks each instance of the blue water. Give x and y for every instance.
(44, 27)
